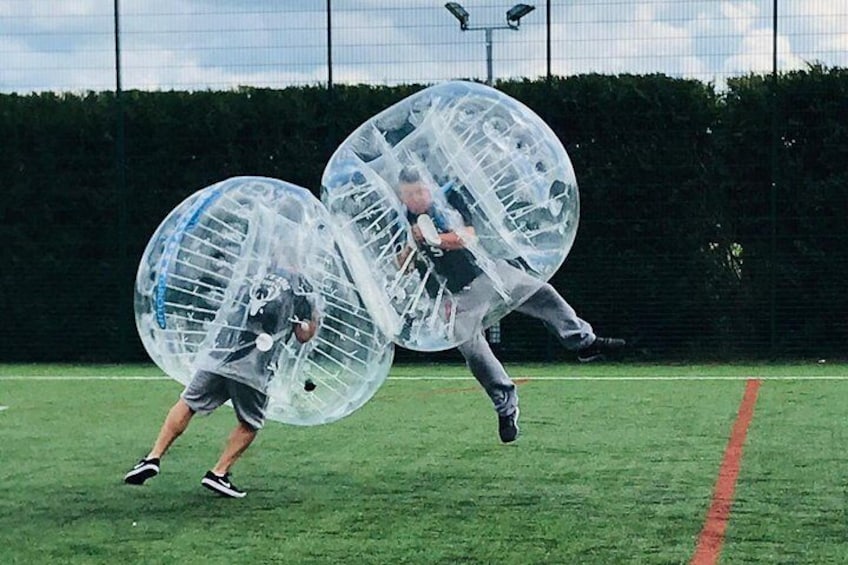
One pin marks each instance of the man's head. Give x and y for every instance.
(414, 192)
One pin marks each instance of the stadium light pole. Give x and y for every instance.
(513, 21)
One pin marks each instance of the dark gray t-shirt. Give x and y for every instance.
(273, 305)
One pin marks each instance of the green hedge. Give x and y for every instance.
(674, 250)
(794, 236)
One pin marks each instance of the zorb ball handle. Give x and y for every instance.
(428, 230)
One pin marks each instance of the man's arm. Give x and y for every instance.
(307, 317)
(459, 239)
(449, 241)
(402, 258)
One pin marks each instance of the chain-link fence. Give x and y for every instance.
(712, 201)
(71, 45)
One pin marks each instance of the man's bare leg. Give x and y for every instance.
(218, 479)
(174, 425)
(240, 439)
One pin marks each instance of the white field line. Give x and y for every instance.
(469, 378)
(646, 378)
(80, 378)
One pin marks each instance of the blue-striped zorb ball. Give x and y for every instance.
(229, 276)
(460, 202)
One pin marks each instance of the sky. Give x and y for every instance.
(69, 45)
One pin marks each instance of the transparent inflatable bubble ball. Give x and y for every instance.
(460, 202)
(244, 279)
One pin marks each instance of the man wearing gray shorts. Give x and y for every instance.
(207, 391)
(474, 291)
(238, 370)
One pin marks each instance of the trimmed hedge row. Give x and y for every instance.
(685, 246)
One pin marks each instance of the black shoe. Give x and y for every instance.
(599, 349)
(508, 427)
(143, 470)
(221, 485)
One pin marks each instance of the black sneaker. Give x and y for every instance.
(508, 427)
(599, 349)
(221, 485)
(143, 470)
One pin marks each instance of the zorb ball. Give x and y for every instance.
(230, 281)
(459, 203)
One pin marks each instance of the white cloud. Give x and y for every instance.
(167, 70)
(636, 39)
(817, 30)
(740, 15)
(839, 45)
(51, 11)
(27, 70)
(199, 44)
(755, 54)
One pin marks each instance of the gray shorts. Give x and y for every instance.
(207, 391)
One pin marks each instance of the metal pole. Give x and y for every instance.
(489, 56)
(123, 269)
(774, 41)
(549, 82)
(548, 75)
(117, 49)
(774, 183)
(329, 46)
(488, 30)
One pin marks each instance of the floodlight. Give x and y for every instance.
(514, 14)
(513, 20)
(459, 13)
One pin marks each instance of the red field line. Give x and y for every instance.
(712, 535)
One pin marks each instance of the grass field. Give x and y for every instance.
(616, 464)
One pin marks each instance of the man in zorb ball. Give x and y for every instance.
(444, 240)
(441, 237)
(464, 204)
(243, 297)
(276, 311)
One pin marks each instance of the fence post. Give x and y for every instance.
(773, 190)
(329, 45)
(123, 272)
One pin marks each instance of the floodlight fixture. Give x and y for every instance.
(459, 13)
(513, 20)
(514, 14)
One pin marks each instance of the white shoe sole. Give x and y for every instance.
(137, 476)
(222, 489)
